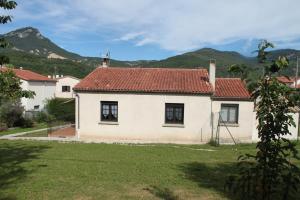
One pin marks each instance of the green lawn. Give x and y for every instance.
(51, 170)
(19, 129)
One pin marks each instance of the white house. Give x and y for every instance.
(64, 86)
(160, 105)
(43, 87)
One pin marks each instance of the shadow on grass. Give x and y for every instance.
(163, 193)
(13, 156)
(211, 177)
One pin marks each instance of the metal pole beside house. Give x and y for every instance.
(296, 77)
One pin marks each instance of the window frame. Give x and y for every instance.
(174, 105)
(110, 104)
(65, 86)
(236, 106)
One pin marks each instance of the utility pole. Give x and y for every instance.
(296, 81)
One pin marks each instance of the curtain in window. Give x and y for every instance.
(232, 114)
(223, 113)
(114, 111)
(105, 111)
(169, 113)
(178, 114)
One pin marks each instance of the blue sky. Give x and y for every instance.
(156, 29)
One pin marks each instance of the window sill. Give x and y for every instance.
(108, 123)
(229, 124)
(174, 125)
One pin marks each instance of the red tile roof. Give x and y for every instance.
(152, 80)
(28, 75)
(285, 80)
(158, 80)
(231, 88)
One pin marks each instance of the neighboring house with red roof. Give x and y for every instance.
(43, 87)
(290, 81)
(286, 80)
(161, 105)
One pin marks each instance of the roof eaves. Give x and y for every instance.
(141, 91)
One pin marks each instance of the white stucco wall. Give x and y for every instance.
(242, 131)
(43, 91)
(142, 118)
(65, 81)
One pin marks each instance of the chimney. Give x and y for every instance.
(21, 68)
(49, 76)
(105, 61)
(212, 73)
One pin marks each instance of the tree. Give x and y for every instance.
(248, 75)
(10, 87)
(270, 173)
(6, 5)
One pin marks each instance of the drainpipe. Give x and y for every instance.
(211, 118)
(77, 113)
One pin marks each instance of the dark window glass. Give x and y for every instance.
(66, 88)
(36, 107)
(109, 111)
(229, 113)
(174, 113)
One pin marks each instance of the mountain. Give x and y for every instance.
(202, 57)
(31, 50)
(32, 41)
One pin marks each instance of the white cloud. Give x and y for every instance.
(131, 36)
(172, 24)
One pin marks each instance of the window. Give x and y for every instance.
(109, 111)
(36, 107)
(65, 88)
(229, 113)
(174, 113)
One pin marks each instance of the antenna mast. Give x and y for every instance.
(296, 81)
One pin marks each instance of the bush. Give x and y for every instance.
(62, 109)
(11, 113)
(42, 116)
(27, 123)
(3, 126)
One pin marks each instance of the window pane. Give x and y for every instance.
(174, 113)
(232, 114)
(224, 113)
(114, 111)
(178, 114)
(229, 113)
(109, 111)
(169, 114)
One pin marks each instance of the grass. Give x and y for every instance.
(19, 129)
(51, 170)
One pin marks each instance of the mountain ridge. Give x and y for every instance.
(32, 50)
